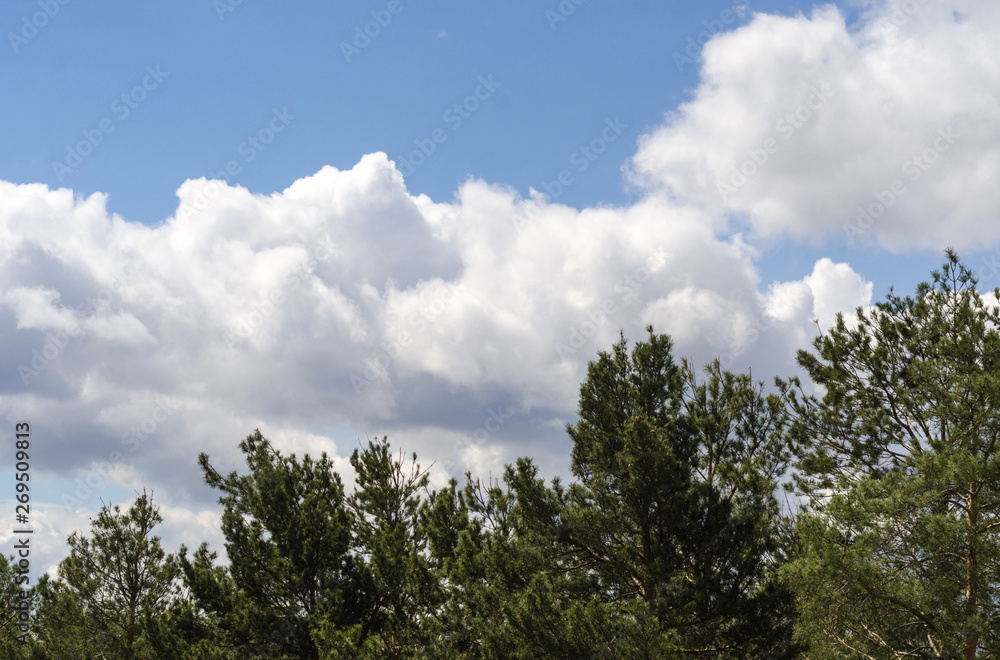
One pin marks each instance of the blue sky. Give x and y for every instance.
(487, 178)
(229, 68)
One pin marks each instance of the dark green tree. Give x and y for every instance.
(674, 511)
(494, 577)
(667, 543)
(61, 628)
(17, 604)
(288, 536)
(191, 628)
(525, 600)
(898, 550)
(399, 592)
(111, 586)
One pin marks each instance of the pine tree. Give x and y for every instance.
(668, 542)
(898, 546)
(398, 591)
(505, 597)
(17, 603)
(288, 535)
(112, 584)
(675, 508)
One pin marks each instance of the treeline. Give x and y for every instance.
(670, 541)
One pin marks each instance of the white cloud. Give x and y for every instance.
(896, 117)
(346, 302)
(35, 308)
(836, 288)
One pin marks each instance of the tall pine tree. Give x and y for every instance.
(288, 535)
(898, 551)
(672, 526)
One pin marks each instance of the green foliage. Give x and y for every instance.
(898, 545)
(667, 544)
(287, 536)
(60, 628)
(398, 591)
(501, 603)
(14, 592)
(113, 584)
(674, 506)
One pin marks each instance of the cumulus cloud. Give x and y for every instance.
(344, 302)
(836, 288)
(884, 132)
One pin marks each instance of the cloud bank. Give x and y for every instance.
(883, 133)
